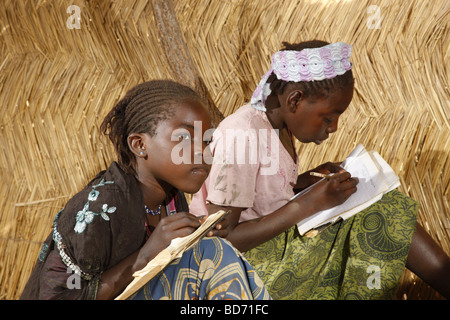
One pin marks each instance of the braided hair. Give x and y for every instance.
(311, 89)
(140, 111)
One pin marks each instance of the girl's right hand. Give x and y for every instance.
(178, 225)
(332, 191)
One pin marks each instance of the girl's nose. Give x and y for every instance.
(333, 127)
(198, 156)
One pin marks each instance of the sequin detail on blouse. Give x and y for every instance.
(86, 216)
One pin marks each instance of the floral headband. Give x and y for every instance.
(313, 64)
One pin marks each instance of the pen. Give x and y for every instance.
(320, 175)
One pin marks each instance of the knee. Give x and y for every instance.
(441, 265)
(426, 258)
(217, 244)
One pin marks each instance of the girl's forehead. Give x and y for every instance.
(188, 112)
(339, 100)
(336, 103)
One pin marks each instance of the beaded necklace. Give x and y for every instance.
(153, 212)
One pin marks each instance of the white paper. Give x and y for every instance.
(376, 178)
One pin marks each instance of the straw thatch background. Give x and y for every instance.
(56, 85)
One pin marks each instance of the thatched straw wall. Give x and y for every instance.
(56, 84)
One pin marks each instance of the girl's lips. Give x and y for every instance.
(202, 170)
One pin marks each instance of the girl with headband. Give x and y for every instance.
(302, 96)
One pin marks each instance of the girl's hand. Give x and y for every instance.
(178, 225)
(222, 229)
(332, 191)
(305, 180)
(329, 167)
(226, 226)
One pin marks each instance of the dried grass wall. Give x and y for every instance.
(56, 84)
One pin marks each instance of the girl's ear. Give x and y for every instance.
(293, 100)
(136, 143)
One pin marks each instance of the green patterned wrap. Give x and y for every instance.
(360, 258)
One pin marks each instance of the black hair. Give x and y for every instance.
(311, 89)
(140, 111)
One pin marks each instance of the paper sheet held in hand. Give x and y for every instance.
(376, 178)
(175, 250)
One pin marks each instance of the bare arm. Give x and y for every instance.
(249, 234)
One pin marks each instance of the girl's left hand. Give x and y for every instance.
(226, 226)
(327, 168)
(221, 229)
(305, 179)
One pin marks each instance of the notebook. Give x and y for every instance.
(376, 178)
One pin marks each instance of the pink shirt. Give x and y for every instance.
(251, 168)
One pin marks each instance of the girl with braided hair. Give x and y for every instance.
(130, 212)
(308, 87)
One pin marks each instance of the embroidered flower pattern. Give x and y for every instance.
(86, 216)
(311, 64)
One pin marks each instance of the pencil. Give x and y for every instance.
(320, 175)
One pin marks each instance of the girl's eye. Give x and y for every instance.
(184, 136)
(328, 121)
(207, 138)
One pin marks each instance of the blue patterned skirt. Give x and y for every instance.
(211, 270)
